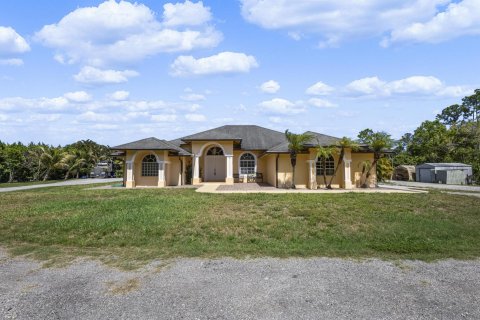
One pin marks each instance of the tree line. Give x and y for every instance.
(41, 162)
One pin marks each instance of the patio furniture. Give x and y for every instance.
(259, 177)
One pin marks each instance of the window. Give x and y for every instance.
(215, 151)
(247, 163)
(329, 166)
(149, 166)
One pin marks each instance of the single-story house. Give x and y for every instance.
(237, 153)
(446, 173)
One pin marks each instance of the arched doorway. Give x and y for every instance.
(215, 165)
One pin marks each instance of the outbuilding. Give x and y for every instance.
(446, 173)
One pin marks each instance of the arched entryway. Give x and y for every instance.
(215, 165)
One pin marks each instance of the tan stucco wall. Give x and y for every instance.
(141, 181)
(285, 173)
(270, 172)
(357, 159)
(173, 171)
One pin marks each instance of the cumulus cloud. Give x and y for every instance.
(319, 89)
(164, 117)
(185, 14)
(321, 103)
(414, 85)
(11, 62)
(224, 62)
(282, 106)
(334, 21)
(123, 31)
(193, 97)
(19, 104)
(78, 96)
(459, 19)
(119, 95)
(271, 86)
(195, 117)
(11, 42)
(91, 75)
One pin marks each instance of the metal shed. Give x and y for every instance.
(446, 173)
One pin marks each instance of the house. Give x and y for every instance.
(237, 153)
(446, 173)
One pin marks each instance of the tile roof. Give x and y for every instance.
(151, 143)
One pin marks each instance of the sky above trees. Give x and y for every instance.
(116, 71)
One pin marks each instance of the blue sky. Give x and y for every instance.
(118, 71)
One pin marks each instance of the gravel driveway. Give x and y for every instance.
(319, 288)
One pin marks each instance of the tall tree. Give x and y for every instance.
(296, 144)
(378, 142)
(343, 144)
(322, 154)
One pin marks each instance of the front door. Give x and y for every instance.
(215, 165)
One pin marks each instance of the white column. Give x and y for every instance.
(229, 178)
(129, 183)
(347, 174)
(311, 176)
(161, 173)
(196, 169)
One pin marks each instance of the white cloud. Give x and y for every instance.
(78, 96)
(282, 106)
(185, 14)
(321, 103)
(271, 86)
(195, 117)
(224, 62)
(319, 89)
(193, 97)
(335, 20)
(164, 117)
(11, 42)
(11, 62)
(125, 32)
(91, 75)
(119, 95)
(459, 19)
(19, 104)
(414, 85)
(3, 117)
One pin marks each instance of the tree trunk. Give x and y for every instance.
(339, 163)
(293, 178)
(10, 176)
(324, 164)
(293, 161)
(45, 177)
(369, 172)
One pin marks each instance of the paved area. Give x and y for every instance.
(319, 288)
(73, 182)
(214, 187)
(422, 185)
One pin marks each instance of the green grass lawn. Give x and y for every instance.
(21, 184)
(129, 226)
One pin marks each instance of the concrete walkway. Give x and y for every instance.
(214, 187)
(73, 182)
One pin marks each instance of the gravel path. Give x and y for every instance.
(413, 184)
(319, 288)
(73, 182)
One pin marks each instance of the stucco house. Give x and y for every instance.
(236, 153)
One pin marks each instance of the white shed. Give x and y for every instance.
(446, 173)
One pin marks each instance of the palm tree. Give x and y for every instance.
(296, 144)
(323, 153)
(343, 144)
(72, 162)
(378, 142)
(51, 159)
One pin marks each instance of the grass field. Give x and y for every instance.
(125, 227)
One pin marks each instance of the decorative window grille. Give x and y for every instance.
(215, 151)
(329, 166)
(247, 163)
(149, 166)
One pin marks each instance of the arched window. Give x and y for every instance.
(247, 164)
(329, 166)
(215, 151)
(149, 166)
